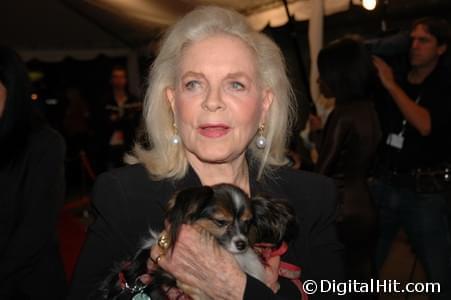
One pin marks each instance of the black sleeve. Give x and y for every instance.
(324, 252)
(255, 289)
(105, 244)
(34, 234)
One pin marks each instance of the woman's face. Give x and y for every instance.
(218, 102)
(2, 98)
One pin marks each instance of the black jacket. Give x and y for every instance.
(31, 196)
(128, 203)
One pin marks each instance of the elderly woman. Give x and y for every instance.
(217, 110)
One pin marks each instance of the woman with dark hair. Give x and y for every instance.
(31, 193)
(349, 143)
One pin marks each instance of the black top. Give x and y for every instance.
(128, 203)
(31, 195)
(420, 151)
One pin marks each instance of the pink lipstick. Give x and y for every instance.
(213, 130)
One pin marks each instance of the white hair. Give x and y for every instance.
(166, 160)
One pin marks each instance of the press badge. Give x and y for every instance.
(395, 140)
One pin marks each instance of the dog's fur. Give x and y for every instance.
(225, 212)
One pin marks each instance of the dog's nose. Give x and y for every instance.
(240, 245)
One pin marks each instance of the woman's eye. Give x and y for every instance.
(192, 84)
(237, 85)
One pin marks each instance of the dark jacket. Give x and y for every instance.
(347, 151)
(128, 203)
(31, 196)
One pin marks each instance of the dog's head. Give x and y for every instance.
(223, 210)
(274, 221)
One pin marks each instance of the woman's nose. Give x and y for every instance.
(213, 100)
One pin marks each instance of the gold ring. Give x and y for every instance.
(163, 242)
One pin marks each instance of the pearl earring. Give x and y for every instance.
(260, 141)
(175, 139)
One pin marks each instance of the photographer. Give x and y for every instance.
(415, 120)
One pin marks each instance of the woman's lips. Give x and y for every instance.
(213, 130)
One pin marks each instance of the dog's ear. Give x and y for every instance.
(185, 207)
(274, 220)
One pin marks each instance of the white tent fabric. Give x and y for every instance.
(300, 10)
(141, 12)
(50, 30)
(315, 34)
(260, 13)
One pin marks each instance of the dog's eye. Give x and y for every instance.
(220, 223)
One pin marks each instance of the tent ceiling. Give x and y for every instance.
(49, 24)
(118, 25)
(146, 18)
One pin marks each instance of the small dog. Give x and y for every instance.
(224, 211)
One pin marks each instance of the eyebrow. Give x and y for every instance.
(421, 38)
(229, 75)
(193, 74)
(238, 74)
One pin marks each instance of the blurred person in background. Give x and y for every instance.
(348, 146)
(31, 193)
(76, 131)
(411, 177)
(115, 121)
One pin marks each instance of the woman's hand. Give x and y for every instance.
(199, 262)
(272, 273)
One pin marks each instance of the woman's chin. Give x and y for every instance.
(216, 157)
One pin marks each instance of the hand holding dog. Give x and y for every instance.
(199, 262)
(272, 273)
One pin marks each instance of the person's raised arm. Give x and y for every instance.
(418, 116)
